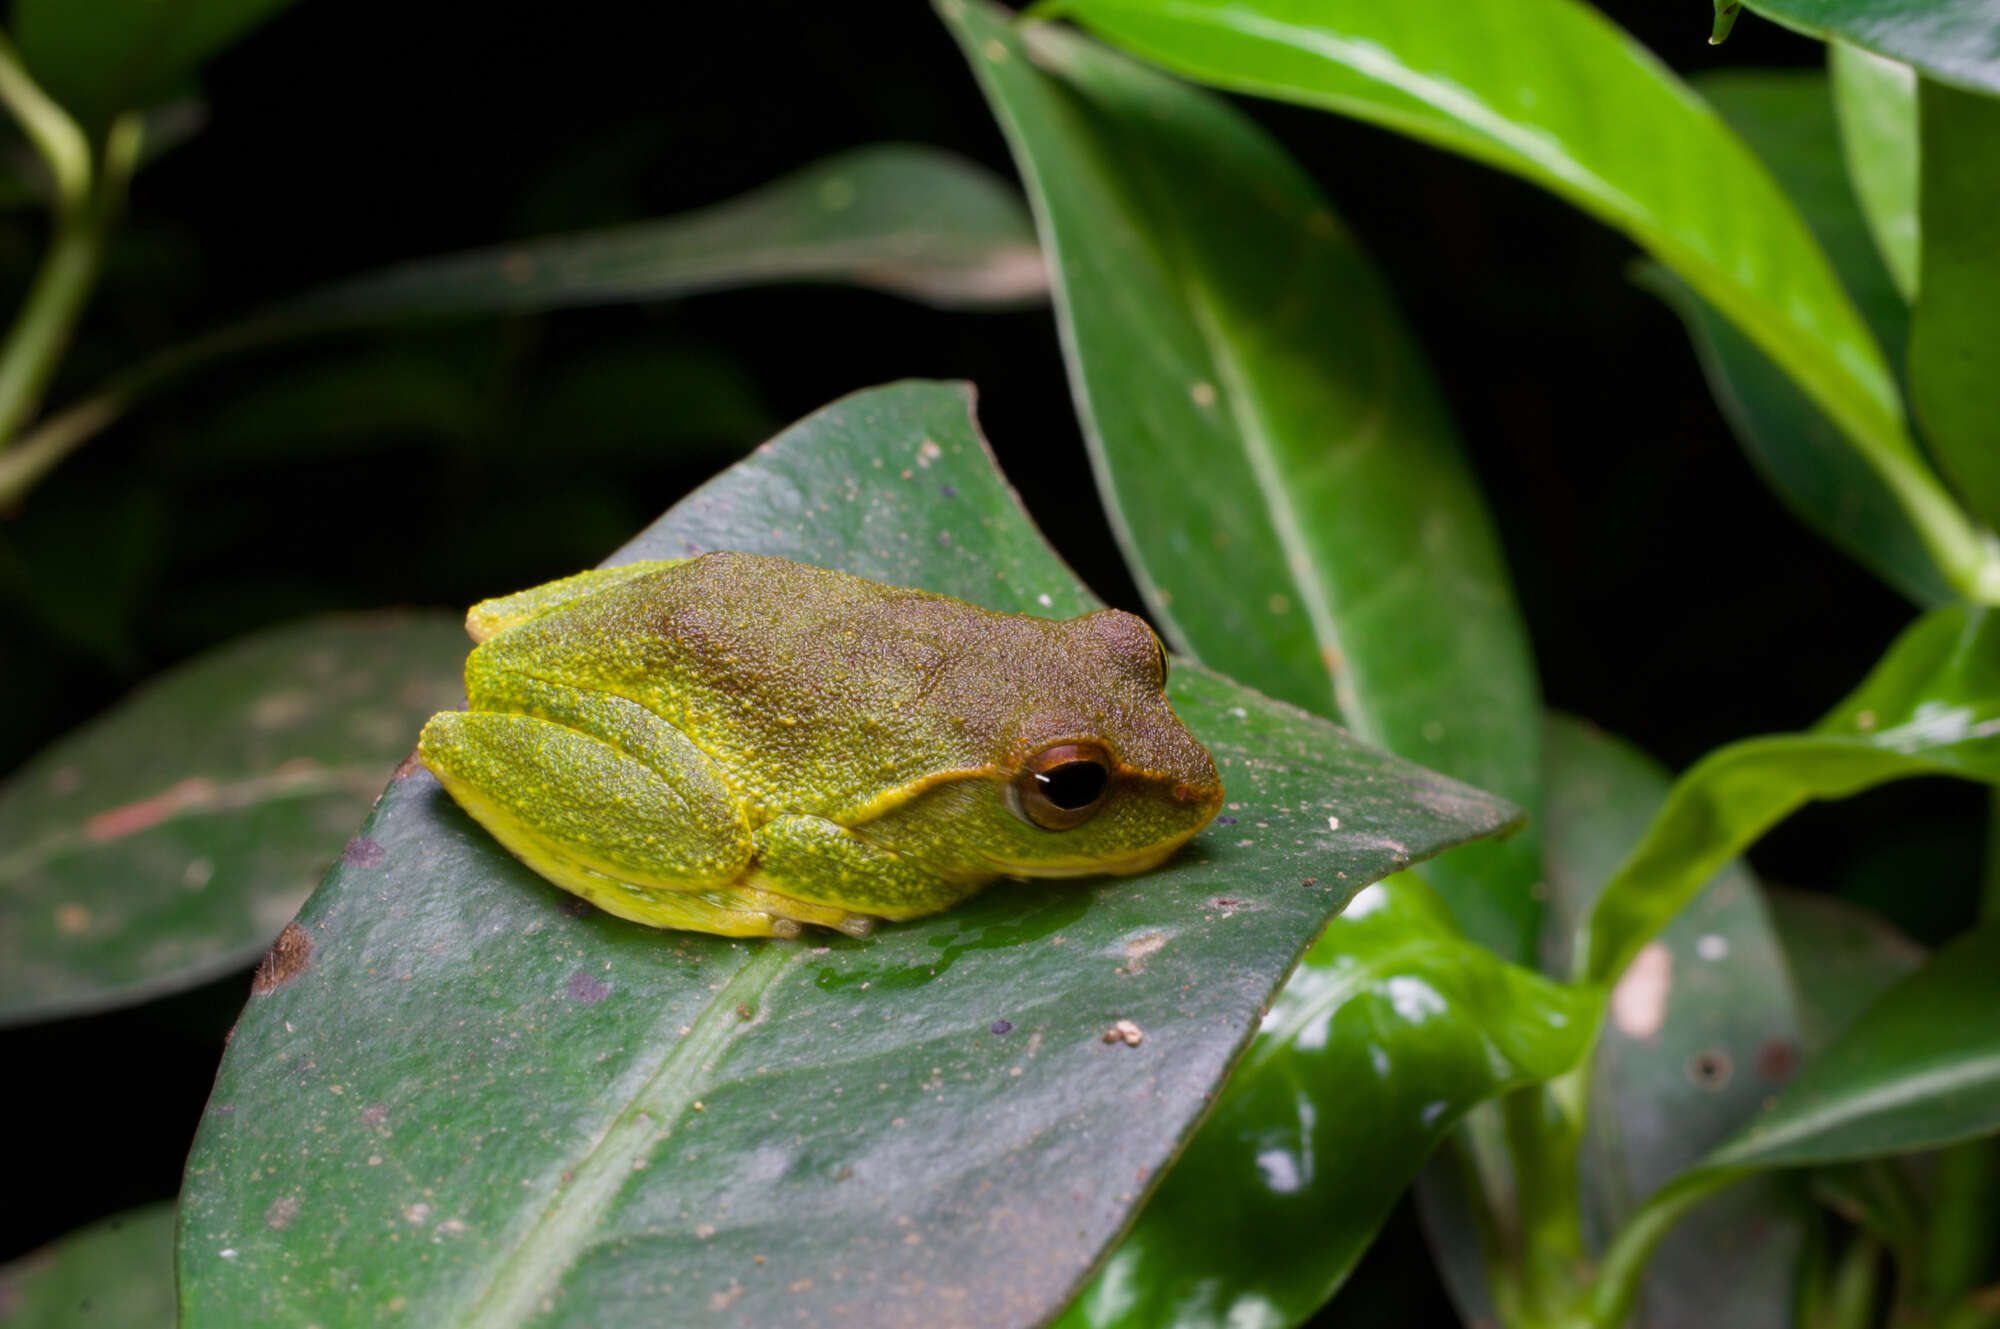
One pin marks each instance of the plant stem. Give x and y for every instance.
(84, 211)
(1544, 1142)
(1624, 1262)
(1850, 1302)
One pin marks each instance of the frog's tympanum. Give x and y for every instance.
(742, 745)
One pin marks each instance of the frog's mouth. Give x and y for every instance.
(1122, 865)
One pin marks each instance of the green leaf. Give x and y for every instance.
(1787, 117)
(1390, 1030)
(100, 57)
(912, 221)
(1920, 1068)
(1551, 91)
(1702, 1030)
(1875, 100)
(117, 1274)
(1276, 457)
(168, 840)
(1931, 706)
(1841, 958)
(1955, 327)
(582, 1121)
(1957, 41)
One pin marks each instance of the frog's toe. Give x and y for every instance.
(857, 925)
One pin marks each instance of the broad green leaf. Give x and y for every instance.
(117, 1274)
(912, 221)
(168, 840)
(1920, 1068)
(573, 1120)
(1552, 91)
(1275, 455)
(1955, 327)
(1841, 958)
(1701, 1031)
(1957, 41)
(1390, 1030)
(1931, 706)
(1875, 100)
(1787, 117)
(100, 57)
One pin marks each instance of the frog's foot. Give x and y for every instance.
(490, 618)
(814, 861)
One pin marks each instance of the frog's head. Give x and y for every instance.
(1086, 770)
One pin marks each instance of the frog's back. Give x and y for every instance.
(814, 690)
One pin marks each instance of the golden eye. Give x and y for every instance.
(1064, 785)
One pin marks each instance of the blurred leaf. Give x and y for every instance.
(1957, 41)
(1787, 117)
(1875, 100)
(1931, 706)
(100, 57)
(1955, 327)
(928, 1124)
(1277, 459)
(117, 1274)
(639, 394)
(86, 566)
(1550, 90)
(912, 221)
(1841, 959)
(1702, 1030)
(1920, 1068)
(168, 840)
(1389, 1031)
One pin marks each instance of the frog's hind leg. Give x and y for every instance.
(603, 798)
(805, 862)
(490, 618)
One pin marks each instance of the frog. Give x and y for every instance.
(745, 745)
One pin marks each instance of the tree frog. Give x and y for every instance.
(742, 745)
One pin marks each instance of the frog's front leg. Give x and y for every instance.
(602, 797)
(811, 859)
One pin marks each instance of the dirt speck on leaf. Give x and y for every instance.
(362, 852)
(281, 1213)
(286, 960)
(585, 989)
(1125, 1032)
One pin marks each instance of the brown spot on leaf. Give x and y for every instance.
(286, 960)
(72, 919)
(407, 767)
(585, 990)
(1777, 1059)
(1710, 1069)
(363, 852)
(374, 1115)
(281, 1213)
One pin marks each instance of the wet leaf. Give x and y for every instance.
(168, 840)
(1931, 706)
(117, 1274)
(1841, 958)
(574, 1120)
(1390, 1030)
(1281, 471)
(1955, 325)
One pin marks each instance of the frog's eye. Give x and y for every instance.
(1063, 786)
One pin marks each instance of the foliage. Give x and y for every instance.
(1636, 1084)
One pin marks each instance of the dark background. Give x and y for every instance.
(1671, 598)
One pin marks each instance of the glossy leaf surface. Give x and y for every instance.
(1875, 101)
(572, 1120)
(1552, 91)
(1787, 117)
(1930, 707)
(1701, 1031)
(99, 57)
(1390, 1030)
(168, 840)
(1954, 40)
(117, 1274)
(1277, 461)
(1955, 327)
